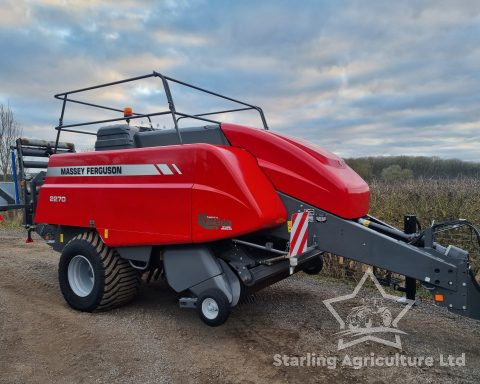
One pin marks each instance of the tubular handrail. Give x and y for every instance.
(176, 115)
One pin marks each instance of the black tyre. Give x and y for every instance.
(314, 266)
(213, 307)
(93, 277)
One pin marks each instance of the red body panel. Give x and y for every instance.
(304, 171)
(196, 192)
(229, 186)
(208, 193)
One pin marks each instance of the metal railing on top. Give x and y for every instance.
(176, 115)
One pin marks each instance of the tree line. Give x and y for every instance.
(10, 130)
(398, 168)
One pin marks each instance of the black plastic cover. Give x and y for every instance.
(118, 136)
(210, 134)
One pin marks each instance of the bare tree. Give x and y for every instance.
(10, 130)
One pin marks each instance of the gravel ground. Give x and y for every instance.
(152, 340)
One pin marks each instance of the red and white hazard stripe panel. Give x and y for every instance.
(299, 234)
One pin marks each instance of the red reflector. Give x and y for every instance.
(1, 218)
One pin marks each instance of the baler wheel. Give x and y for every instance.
(314, 266)
(213, 307)
(93, 277)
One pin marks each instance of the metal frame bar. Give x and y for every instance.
(4, 208)
(258, 246)
(62, 127)
(258, 109)
(57, 96)
(218, 112)
(176, 115)
(107, 108)
(14, 175)
(370, 246)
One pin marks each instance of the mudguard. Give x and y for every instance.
(204, 272)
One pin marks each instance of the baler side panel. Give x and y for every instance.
(149, 207)
(163, 195)
(305, 171)
(124, 214)
(231, 196)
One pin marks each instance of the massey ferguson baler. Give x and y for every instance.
(219, 210)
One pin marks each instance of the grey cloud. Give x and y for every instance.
(393, 76)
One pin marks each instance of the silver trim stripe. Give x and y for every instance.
(113, 170)
(165, 169)
(177, 169)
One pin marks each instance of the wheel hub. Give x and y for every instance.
(80, 276)
(210, 308)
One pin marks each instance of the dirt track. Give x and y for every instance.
(152, 340)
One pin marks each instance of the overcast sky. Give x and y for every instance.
(356, 77)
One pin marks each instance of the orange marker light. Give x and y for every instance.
(127, 112)
(439, 298)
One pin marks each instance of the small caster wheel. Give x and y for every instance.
(314, 266)
(213, 307)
